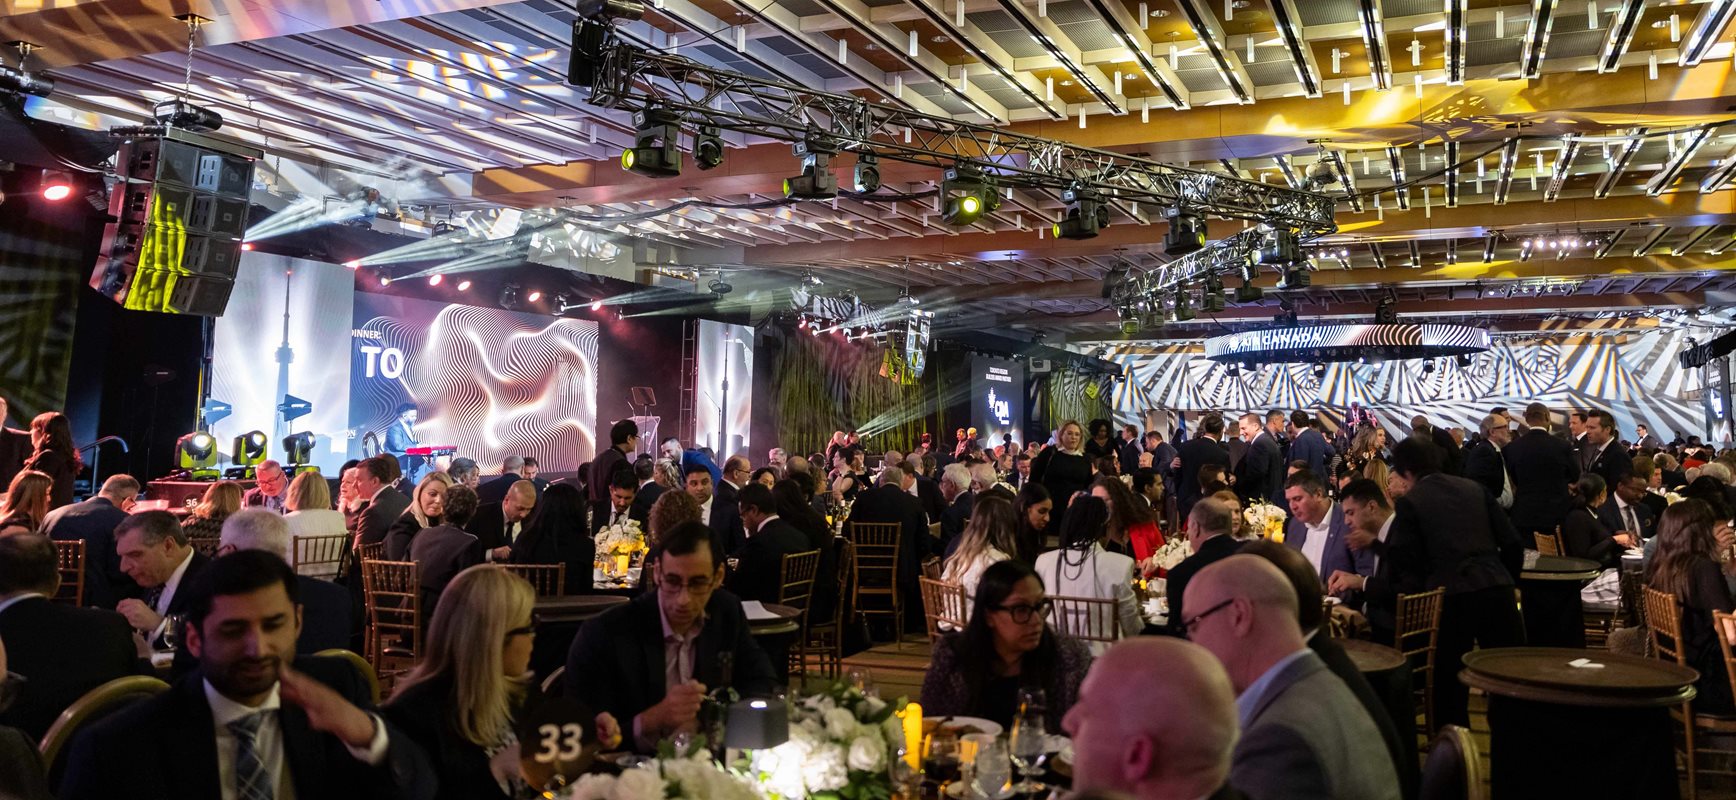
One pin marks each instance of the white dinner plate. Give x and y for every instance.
(989, 727)
(956, 790)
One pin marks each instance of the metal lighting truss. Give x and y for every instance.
(633, 79)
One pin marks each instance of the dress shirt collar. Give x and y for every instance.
(225, 711)
(705, 510)
(15, 599)
(1256, 691)
(173, 584)
(1325, 519)
(1385, 527)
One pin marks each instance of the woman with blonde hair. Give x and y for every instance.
(1234, 503)
(989, 537)
(27, 502)
(473, 683)
(309, 503)
(1063, 469)
(206, 522)
(426, 507)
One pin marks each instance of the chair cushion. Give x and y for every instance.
(1443, 775)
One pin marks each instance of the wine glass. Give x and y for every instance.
(172, 625)
(991, 771)
(940, 757)
(862, 680)
(1029, 740)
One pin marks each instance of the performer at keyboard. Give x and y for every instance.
(400, 437)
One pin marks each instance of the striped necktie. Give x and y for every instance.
(251, 780)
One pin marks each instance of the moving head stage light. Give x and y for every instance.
(656, 144)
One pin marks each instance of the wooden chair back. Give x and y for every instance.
(320, 556)
(71, 557)
(373, 552)
(393, 597)
(797, 573)
(94, 706)
(1086, 618)
(1416, 633)
(825, 637)
(549, 580)
(1723, 625)
(1663, 624)
(942, 602)
(876, 546)
(362, 666)
(1549, 544)
(1452, 771)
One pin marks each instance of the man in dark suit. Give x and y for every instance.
(15, 448)
(621, 496)
(1601, 453)
(21, 774)
(270, 490)
(1542, 467)
(326, 615)
(245, 720)
(1644, 439)
(401, 436)
(494, 489)
(385, 503)
(1311, 618)
(155, 553)
(61, 650)
(1447, 532)
(1307, 444)
(1486, 463)
(645, 474)
(1195, 453)
(891, 502)
(928, 491)
(955, 490)
(723, 520)
(94, 521)
(623, 439)
(1208, 536)
(1260, 475)
(737, 470)
(1625, 511)
(650, 662)
(498, 525)
(1317, 529)
(1304, 735)
(443, 551)
(1369, 516)
(758, 572)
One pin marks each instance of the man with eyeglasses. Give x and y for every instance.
(269, 491)
(1304, 734)
(651, 662)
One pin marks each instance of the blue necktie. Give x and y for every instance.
(251, 780)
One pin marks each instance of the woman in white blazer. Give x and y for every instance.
(1082, 568)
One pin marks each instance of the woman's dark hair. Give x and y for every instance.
(560, 516)
(1708, 490)
(59, 430)
(1084, 523)
(764, 471)
(795, 506)
(976, 645)
(1099, 425)
(1030, 539)
(1588, 488)
(1125, 511)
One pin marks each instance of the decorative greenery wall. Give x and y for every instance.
(822, 384)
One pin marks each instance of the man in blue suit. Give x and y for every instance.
(1317, 528)
(1306, 444)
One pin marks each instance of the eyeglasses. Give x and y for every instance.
(1021, 613)
(673, 585)
(528, 630)
(1189, 624)
(11, 688)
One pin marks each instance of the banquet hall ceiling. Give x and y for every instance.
(1603, 127)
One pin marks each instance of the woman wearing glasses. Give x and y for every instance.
(474, 681)
(1007, 645)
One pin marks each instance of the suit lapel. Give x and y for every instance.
(301, 752)
(1293, 673)
(651, 649)
(193, 742)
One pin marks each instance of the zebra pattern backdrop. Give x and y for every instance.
(1633, 375)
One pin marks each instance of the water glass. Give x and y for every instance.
(172, 627)
(991, 770)
(862, 680)
(1029, 740)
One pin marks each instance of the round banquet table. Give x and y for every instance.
(558, 620)
(1557, 730)
(1389, 674)
(1549, 597)
(775, 636)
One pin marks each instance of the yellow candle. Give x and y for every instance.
(912, 716)
(621, 565)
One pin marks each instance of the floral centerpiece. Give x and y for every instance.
(1166, 557)
(841, 745)
(694, 777)
(619, 547)
(1265, 521)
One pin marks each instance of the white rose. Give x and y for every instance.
(592, 786)
(867, 754)
(840, 723)
(637, 784)
(825, 771)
